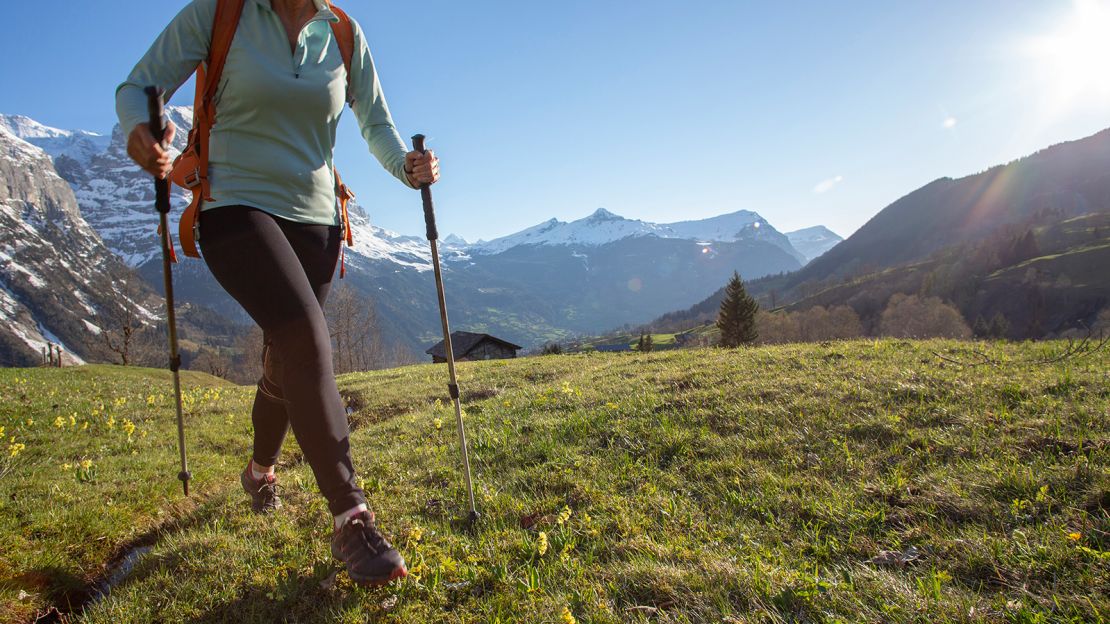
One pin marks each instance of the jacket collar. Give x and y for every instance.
(323, 9)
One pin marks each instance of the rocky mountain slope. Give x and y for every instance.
(58, 281)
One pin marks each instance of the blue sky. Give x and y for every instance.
(808, 113)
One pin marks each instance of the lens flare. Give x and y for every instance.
(1072, 60)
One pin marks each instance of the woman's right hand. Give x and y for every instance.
(144, 150)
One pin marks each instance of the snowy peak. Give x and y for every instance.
(720, 228)
(26, 128)
(813, 241)
(599, 228)
(604, 227)
(78, 145)
(602, 214)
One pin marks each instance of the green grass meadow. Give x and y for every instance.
(865, 481)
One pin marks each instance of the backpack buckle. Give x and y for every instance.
(192, 179)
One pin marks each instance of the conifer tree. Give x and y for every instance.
(1000, 326)
(981, 329)
(736, 318)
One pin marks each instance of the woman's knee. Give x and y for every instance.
(303, 342)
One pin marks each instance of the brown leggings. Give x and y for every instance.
(280, 271)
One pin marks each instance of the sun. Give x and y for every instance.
(1074, 58)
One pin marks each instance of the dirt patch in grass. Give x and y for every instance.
(481, 394)
(361, 412)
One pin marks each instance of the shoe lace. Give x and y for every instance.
(369, 535)
(269, 492)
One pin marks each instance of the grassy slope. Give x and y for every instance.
(702, 485)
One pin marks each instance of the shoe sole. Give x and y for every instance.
(400, 572)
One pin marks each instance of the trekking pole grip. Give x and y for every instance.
(426, 194)
(156, 108)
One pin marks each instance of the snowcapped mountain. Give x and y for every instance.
(603, 227)
(454, 240)
(813, 241)
(117, 197)
(58, 282)
(373, 243)
(71, 150)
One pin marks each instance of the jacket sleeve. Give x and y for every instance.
(169, 62)
(372, 113)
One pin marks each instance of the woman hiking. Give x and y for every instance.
(270, 232)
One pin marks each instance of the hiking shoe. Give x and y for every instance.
(370, 559)
(264, 496)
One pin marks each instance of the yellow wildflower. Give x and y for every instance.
(1075, 537)
(416, 534)
(59, 422)
(66, 466)
(611, 405)
(566, 617)
(84, 425)
(150, 399)
(508, 404)
(86, 464)
(111, 422)
(564, 554)
(16, 448)
(564, 515)
(30, 422)
(438, 424)
(128, 427)
(142, 434)
(73, 420)
(541, 543)
(1, 432)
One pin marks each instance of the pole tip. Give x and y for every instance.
(473, 517)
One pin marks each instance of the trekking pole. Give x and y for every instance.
(155, 106)
(453, 386)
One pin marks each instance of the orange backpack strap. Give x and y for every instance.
(344, 32)
(191, 168)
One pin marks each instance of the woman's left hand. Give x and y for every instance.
(422, 168)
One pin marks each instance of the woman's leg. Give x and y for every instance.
(266, 263)
(271, 422)
(316, 248)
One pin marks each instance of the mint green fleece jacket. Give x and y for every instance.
(277, 109)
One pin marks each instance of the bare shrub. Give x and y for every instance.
(917, 317)
(355, 331)
(816, 324)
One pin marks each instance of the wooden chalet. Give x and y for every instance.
(469, 346)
